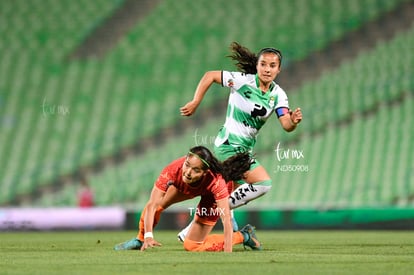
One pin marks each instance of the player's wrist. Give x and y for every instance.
(291, 120)
(148, 235)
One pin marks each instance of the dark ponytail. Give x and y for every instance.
(235, 166)
(232, 168)
(247, 60)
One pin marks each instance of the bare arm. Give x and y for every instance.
(150, 208)
(224, 207)
(205, 82)
(290, 120)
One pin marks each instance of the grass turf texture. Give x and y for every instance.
(285, 252)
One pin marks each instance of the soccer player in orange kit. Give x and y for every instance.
(198, 173)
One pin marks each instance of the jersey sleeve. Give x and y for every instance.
(233, 79)
(168, 175)
(282, 99)
(163, 181)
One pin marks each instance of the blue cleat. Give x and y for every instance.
(250, 238)
(133, 244)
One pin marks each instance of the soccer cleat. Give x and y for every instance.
(133, 244)
(250, 238)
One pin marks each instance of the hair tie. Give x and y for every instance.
(203, 160)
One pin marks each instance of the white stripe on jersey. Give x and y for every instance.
(239, 129)
(243, 104)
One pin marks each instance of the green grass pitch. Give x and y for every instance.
(285, 252)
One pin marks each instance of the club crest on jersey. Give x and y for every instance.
(230, 83)
(272, 102)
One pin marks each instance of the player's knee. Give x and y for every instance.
(190, 245)
(187, 244)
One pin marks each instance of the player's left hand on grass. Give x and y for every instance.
(149, 242)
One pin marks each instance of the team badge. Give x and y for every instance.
(272, 102)
(230, 83)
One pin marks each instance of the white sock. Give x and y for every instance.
(247, 192)
(183, 233)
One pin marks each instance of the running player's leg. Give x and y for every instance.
(256, 183)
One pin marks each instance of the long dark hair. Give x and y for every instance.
(246, 60)
(232, 168)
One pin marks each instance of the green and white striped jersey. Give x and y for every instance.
(248, 109)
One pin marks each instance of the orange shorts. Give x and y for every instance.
(207, 212)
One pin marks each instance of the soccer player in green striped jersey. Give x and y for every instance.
(254, 96)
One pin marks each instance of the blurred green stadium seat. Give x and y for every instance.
(137, 88)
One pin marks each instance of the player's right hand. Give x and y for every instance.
(189, 108)
(149, 242)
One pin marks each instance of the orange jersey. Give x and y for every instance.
(211, 184)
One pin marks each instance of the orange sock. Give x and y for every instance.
(238, 238)
(141, 230)
(214, 242)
